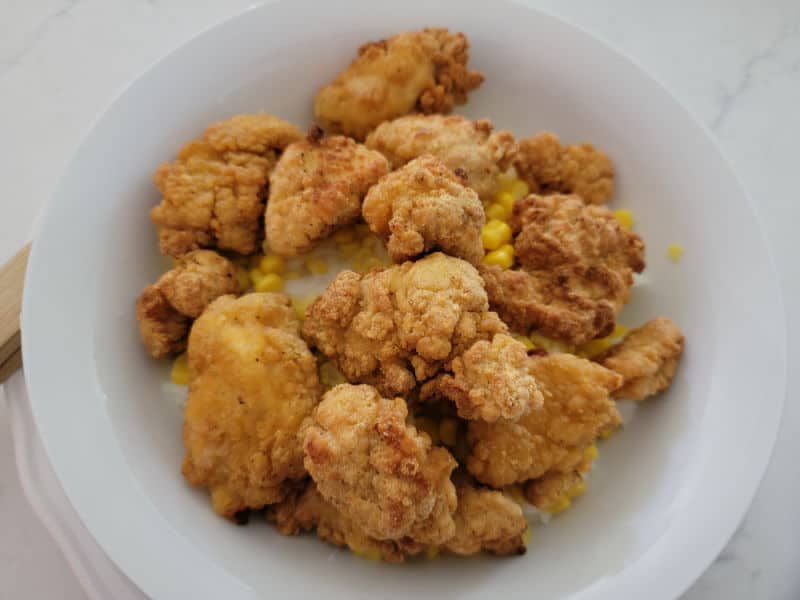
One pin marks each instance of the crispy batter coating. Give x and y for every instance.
(395, 326)
(647, 358)
(455, 140)
(164, 308)
(318, 186)
(310, 510)
(576, 269)
(252, 384)
(547, 491)
(378, 471)
(420, 70)
(551, 167)
(577, 407)
(487, 520)
(424, 206)
(213, 194)
(490, 381)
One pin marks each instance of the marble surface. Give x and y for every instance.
(734, 64)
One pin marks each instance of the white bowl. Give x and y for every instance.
(667, 492)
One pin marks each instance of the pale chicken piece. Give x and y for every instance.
(548, 167)
(461, 144)
(400, 325)
(252, 386)
(487, 520)
(213, 194)
(378, 471)
(577, 408)
(164, 309)
(647, 358)
(419, 70)
(489, 382)
(317, 187)
(423, 207)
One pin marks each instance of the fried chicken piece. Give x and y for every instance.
(252, 385)
(576, 269)
(554, 491)
(395, 326)
(317, 187)
(164, 309)
(551, 167)
(490, 381)
(576, 409)
(455, 140)
(647, 358)
(424, 206)
(378, 471)
(420, 70)
(310, 510)
(213, 194)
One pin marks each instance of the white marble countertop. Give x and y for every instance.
(735, 64)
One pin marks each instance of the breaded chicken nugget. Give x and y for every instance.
(490, 381)
(551, 167)
(419, 70)
(487, 520)
(378, 471)
(576, 269)
(318, 186)
(164, 309)
(577, 407)
(455, 140)
(647, 358)
(252, 385)
(395, 326)
(213, 194)
(424, 206)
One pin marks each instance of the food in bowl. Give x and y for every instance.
(426, 351)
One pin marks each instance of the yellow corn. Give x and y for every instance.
(590, 453)
(675, 252)
(577, 489)
(367, 553)
(502, 257)
(447, 431)
(431, 552)
(429, 426)
(505, 182)
(329, 375)
(272, 263)
(365, 261)
(349, 249)
(317, 266)
(519, 189)
(607, 433)
(550, 345)
(269, 282)
(506, 200)
(560, 505)
(524, 340)
(497, 212)
(527, 535)
(344, 235)
(301, 305)
(625, 218)
(180, 370)
(243, 279)
(494, 234)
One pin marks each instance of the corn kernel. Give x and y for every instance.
(519, 189)
(505, 182)
(675, 252)
(560, 505)
(180, 370)
(577, 489)
(292, 275)
(343, 236)
(496, 211)
(447, 431)
(494, 234)
(272, 263)
(594, 348)
(329, 375)
(524, 340)
(316, 266)
(550, 345)
(429, 426)
(431, 552)
(243, 279)
(502, 257)
(607, 433)
(270, 282)
(301, 305)
(527, 535)
(625, 218)
(590, 453)
(506, 200)
(367, 553)
(363, 262)
(256, 275)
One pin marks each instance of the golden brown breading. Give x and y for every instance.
(420, 70)
(490, 381)
(164, 308)
(577, 407)
(252, 384)
(551, 167)
(318, 186)
(455, 140)
(576, 269)
(213, 194)
(554, 488)
(395, 326)
(310, 510)
(378, 471)
(423, 207)
(487, 520)
(647, 358)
